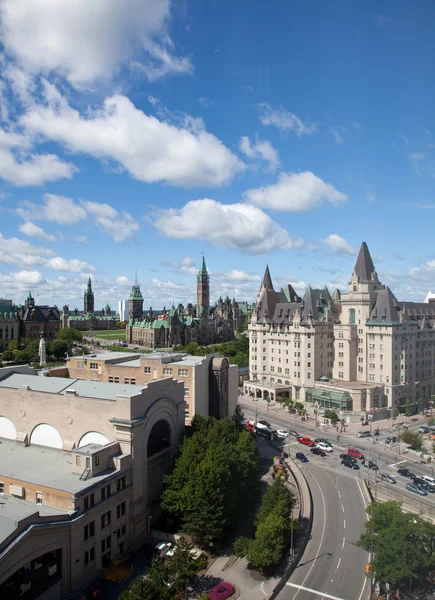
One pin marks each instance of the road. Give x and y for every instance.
(332, 567)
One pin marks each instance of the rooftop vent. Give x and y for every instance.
(71, 392)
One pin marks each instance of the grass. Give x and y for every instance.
(108, 334)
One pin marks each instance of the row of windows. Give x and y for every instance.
(105, 492)
(89, 555)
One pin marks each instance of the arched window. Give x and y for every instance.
(7, 429)
(352, 316)
(93, 437)
(159, 438)
(46, 435)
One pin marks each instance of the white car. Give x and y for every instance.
(428, 479)
(283, 433)
(325, 447)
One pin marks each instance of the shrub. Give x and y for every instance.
(221, 591)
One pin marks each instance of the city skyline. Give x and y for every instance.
(254, 134)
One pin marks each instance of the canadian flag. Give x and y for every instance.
(161, 317)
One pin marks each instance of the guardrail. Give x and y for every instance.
(384, 494)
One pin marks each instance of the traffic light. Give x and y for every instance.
(368, 569)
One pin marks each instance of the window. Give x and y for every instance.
(105, 492)
(2, 487)
(38, 497)
(89, 530)
(93, 366)
(147, 370)
(110, 379)
(123, 530)
(133, 381)
(92, 553)
(167, 371)
(79, 461)
(86, 558)
(183, 372)
(89, 501)
(126, 379)
(186, 391)
(120, 510)
(97, 460)
(105, 520)
(120, 484)
(116, 379)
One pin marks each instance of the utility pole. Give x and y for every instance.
(291, 534)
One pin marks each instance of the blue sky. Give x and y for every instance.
(254, 132)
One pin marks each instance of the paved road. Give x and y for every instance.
(332, 567)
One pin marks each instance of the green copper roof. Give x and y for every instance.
(203, 269)
(136, 294)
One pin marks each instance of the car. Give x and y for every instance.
(265, 423)
(355, 452)
(428, 479)
(305, 440)
(350, 464)
(426, 485)
(370, 464)
(424, 429)
(406, 473)
(411, 487)
(327, 442)
(363, 434)
(318, 451)
(301, 456)
(293, 432)
(282, 433)
(324, 446)
(391, 439)
(387, 478)
(348, 457)
(162, 547)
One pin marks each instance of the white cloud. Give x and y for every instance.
(236, 275)
(21, 278)
(339, 133)
(260, 150)
(86, 41)
(118, 226)
(339, 244)
(184, 267)
(285, 120)
(73, 264)
(311, 246)
(149, 149)
(32, 230)
(81, 239)
(59, 209)
(205, 102)
(240, 226)
(295, 192)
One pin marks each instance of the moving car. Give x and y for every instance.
(301, 456)
(355, 452)
(426, 485)
(370, 464)
(416, 489)
(429, 479)
(323, 445)
(283, 433)
(350, 464)
(423, 429)
(293, 432)
(406, 473)
(263, 422)
(387, 478)
(391, 439)
(363, 434)
(348, 457)
(318, 451)
(305, 440)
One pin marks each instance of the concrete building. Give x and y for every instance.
(123, 310)
(210, 382)
(81, 471)
(360, 352)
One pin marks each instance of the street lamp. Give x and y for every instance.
(316, 404)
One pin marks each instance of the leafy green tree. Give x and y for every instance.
(69, 335)
(299, 407)
(58, 348)
(331, 414)
(395, 413)
(238, 417)
(182, 565)
(8, 356)
(408, 407)
(13, 345)
(421, 404)
(414, 439)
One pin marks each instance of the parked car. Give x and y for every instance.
(162, 547)
(324, 446)
(283, 433)
(391, 439)
(355, 452)
(387, 478)
(406, 473)
(318, 451)
(301, 456)
(293, 432)
(305, 440)
(350, 463)
(327, 442)
(348, 457)
(364, 434)
(370, 464)
(423, 429)
(416, 489)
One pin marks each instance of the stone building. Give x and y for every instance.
(9, 322)
(179, 326)
(210, 382)
(38, 319)
(360, 352)
(81, 471)
(88, 320)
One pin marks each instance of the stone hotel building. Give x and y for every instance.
(358, 352)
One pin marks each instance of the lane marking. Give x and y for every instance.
(342, 507)
(339, 493)
(305, 589)
(344, 523)
(344, 541)
(339, 561)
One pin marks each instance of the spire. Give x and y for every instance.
(29, 296)
(89, 284)
(203, 269)
(364, 266)
(267, 280)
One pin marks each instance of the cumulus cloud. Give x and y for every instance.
(240, 226)
(32, 230)
(237, 275)
(118, 226)
(186, 266)
(339, 244)
(149, 149)
(295, 192)
(262, 150)
(86, 41)
(285, 120)
(58, 209)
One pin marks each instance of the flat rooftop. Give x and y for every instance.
(106, 356)
(99, 390)
(354, 385)
(44, 466)
(14, 510)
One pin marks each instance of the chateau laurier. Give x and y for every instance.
(361, 351)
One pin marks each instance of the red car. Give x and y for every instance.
(306, 441)
(355, 453)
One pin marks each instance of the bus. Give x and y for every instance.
(266, 432)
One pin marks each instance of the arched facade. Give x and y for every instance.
(159, 438)
(93, 437)
(46, 435)
(7, 429)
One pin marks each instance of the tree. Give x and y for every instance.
(8, 356)
(395, 413)
(58, 348)
(408, 407)
(69, 335)
(238, 417)
(388, 529)
(331, 414)
(13, 345)
(156, 585)
(182, 565)
(421, 404)
(299, 407)
(414, 439)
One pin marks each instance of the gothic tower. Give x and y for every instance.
(135, 302)
(30, 302)
(203, 292)
(88, 300)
